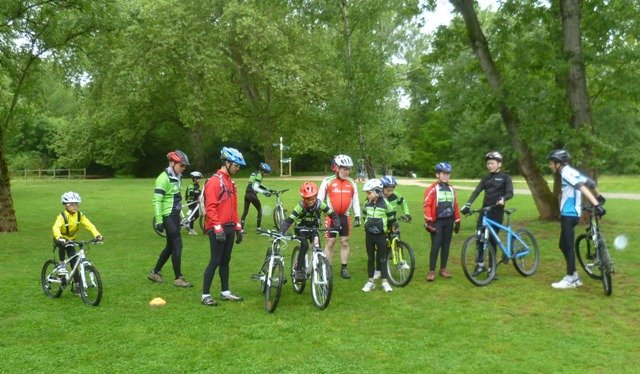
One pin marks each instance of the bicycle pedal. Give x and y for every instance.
(257, 277)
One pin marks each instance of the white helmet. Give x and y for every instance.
(372, 185)
(70, 197)
(343, 161)
(196, 174)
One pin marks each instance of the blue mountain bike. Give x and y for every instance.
(479, 254)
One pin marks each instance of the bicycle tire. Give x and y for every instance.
(161, 233)
(279, 215)
(91, 287)
(605, 269)
(274, 286)
(51, 283)
(526, 265)
(469, 261)
(322, 283)
(586, 255)
(399, 274)
(298, 286)
(201, 223)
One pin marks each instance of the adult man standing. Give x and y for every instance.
(340, 193)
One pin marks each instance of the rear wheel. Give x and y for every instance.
(201, 222)
(161, 233)
(322, 283)
(472, 256)
(526, 256)
(586, 255)
(274, 286)
(298, 286)
(401, 263)
(279, 215)
(90, 285)
(51, 280)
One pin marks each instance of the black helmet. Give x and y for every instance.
(493, 155)
(559, 155)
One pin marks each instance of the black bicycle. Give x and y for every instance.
(592, 253)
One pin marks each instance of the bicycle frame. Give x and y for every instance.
(488, 225)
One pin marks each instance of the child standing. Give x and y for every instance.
(192, 195)
(251, 194)
(377, 213)
(442, 219)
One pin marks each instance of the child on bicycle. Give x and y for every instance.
(192, 196)
(442, 219)
(307, 214)
(251, 194)
(65, 228)
(377, 213)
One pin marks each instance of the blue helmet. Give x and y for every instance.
(265, 167)
(388, 181)
(232, 155)
(443, 167)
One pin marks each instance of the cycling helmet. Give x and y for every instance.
(559, 155)
(232, 155)
(443, 167)
(178, 156)
(343, 161)
(388, 181)
(493, 155)
(308, 189)
(265, 167)
(373, 185)
(196, 174)
(70, 197)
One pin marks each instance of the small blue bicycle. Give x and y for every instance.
(479, 255)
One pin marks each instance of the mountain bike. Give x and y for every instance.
(279, 213)
(271, 273)
(56, 276)
(592, 253)
(186, 219)
(401, 262)
(479, 255)
(317, 267)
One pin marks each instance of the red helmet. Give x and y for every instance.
(178, 156)
(308, 189)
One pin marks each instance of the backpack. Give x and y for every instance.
(66, 222)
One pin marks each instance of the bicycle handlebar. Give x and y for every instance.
(274, 234)
(317, 229)
(81, 243)
(486, 209)
(278, 193)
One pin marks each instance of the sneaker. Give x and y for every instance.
(478, 270)
(209, 301)
(505, 259)
(376, 274)
(345, 274)
(300, 275)
(192, 232)
(368, 287)
(386, 287)
(62, 270)
(444, 273)
(431, 276)
(227, 295)
(567, 282)
(75, 289)
(155, 277)
(181, 282)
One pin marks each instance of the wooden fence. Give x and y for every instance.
(51, 174)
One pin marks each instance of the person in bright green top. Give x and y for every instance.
(251, 194)
(167, 205)
(377, 214)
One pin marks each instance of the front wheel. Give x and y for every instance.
(298, 286)
(526, 256)
(90, 285)
(274, 286)
(586, 255)
(401, 263)
(201, 223)
(478, 261)
(161, 233)
(322, 283)
(51, 280)
(605, 268)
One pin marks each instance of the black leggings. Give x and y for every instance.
(304, 238)
(70, 252)
(252, 199)
(376, 254)
(220, 257)
(496, 214)
(173, 247)
(567, 231)
(440, 242)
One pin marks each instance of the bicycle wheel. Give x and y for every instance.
(274, 286)
(322, 283)
(51, 281)
(401, 263)
(279, 215)
(161, 233)
(526, 257)
(298, 286)
(90, 285)
(201, 223)
(480, 276)
(605, 267)
(586, 255)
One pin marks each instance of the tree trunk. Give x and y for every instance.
(546, 203)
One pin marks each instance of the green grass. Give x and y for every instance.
(515, 324)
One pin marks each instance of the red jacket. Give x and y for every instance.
(221, 202)
(430, 202)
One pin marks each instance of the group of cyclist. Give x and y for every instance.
(336, 198)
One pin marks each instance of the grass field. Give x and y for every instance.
(515, 324)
